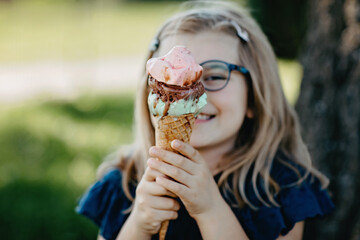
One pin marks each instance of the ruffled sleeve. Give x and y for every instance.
(297, 203)
(104, 203)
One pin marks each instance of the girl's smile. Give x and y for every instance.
(204, 117)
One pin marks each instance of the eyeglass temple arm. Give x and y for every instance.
(239, 68)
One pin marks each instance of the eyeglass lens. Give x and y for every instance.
(215, 75)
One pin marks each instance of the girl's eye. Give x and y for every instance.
(215, 78)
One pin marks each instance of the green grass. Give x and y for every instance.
(47, 139)
(35, 30)
(49, 154)
(291, 73)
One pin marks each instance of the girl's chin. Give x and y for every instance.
(202, 133)
(196, 144)
(198, 140)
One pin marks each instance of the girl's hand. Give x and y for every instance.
(190, 178)
(151, 207)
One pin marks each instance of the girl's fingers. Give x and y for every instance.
(179, 189)
(174, 159)
(160, 203)
(151, 187)
(170, 171)
(187, 150)
(163, 215)
(156, 190)
(151, 174)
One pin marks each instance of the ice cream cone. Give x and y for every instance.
(168, 129)
(163, 230)
(177, 95)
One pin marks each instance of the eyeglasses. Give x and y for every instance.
(216, 74)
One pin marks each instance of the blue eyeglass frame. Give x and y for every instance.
(230, 67)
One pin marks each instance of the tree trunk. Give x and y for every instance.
(329, 111)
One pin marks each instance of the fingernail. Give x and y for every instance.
(150, 160)
(153, 150)
(176, 143)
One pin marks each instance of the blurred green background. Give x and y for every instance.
(51, 146)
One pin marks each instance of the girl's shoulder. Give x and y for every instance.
(285, 171)
(105, 203)
(297, 201)
(299, 198)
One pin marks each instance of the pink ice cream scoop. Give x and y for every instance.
(177, 67)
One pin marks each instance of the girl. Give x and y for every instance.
(246, 173)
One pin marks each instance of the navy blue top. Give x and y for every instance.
(105, 201)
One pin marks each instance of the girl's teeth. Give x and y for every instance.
(203, 117)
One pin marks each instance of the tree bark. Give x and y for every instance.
(329, 111)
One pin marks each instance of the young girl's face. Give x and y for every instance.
(220, 120)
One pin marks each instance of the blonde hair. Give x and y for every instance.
(274, 125)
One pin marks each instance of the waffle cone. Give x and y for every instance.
(168, 129)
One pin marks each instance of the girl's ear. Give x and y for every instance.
(249, 113)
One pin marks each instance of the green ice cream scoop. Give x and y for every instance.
(176, 108)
